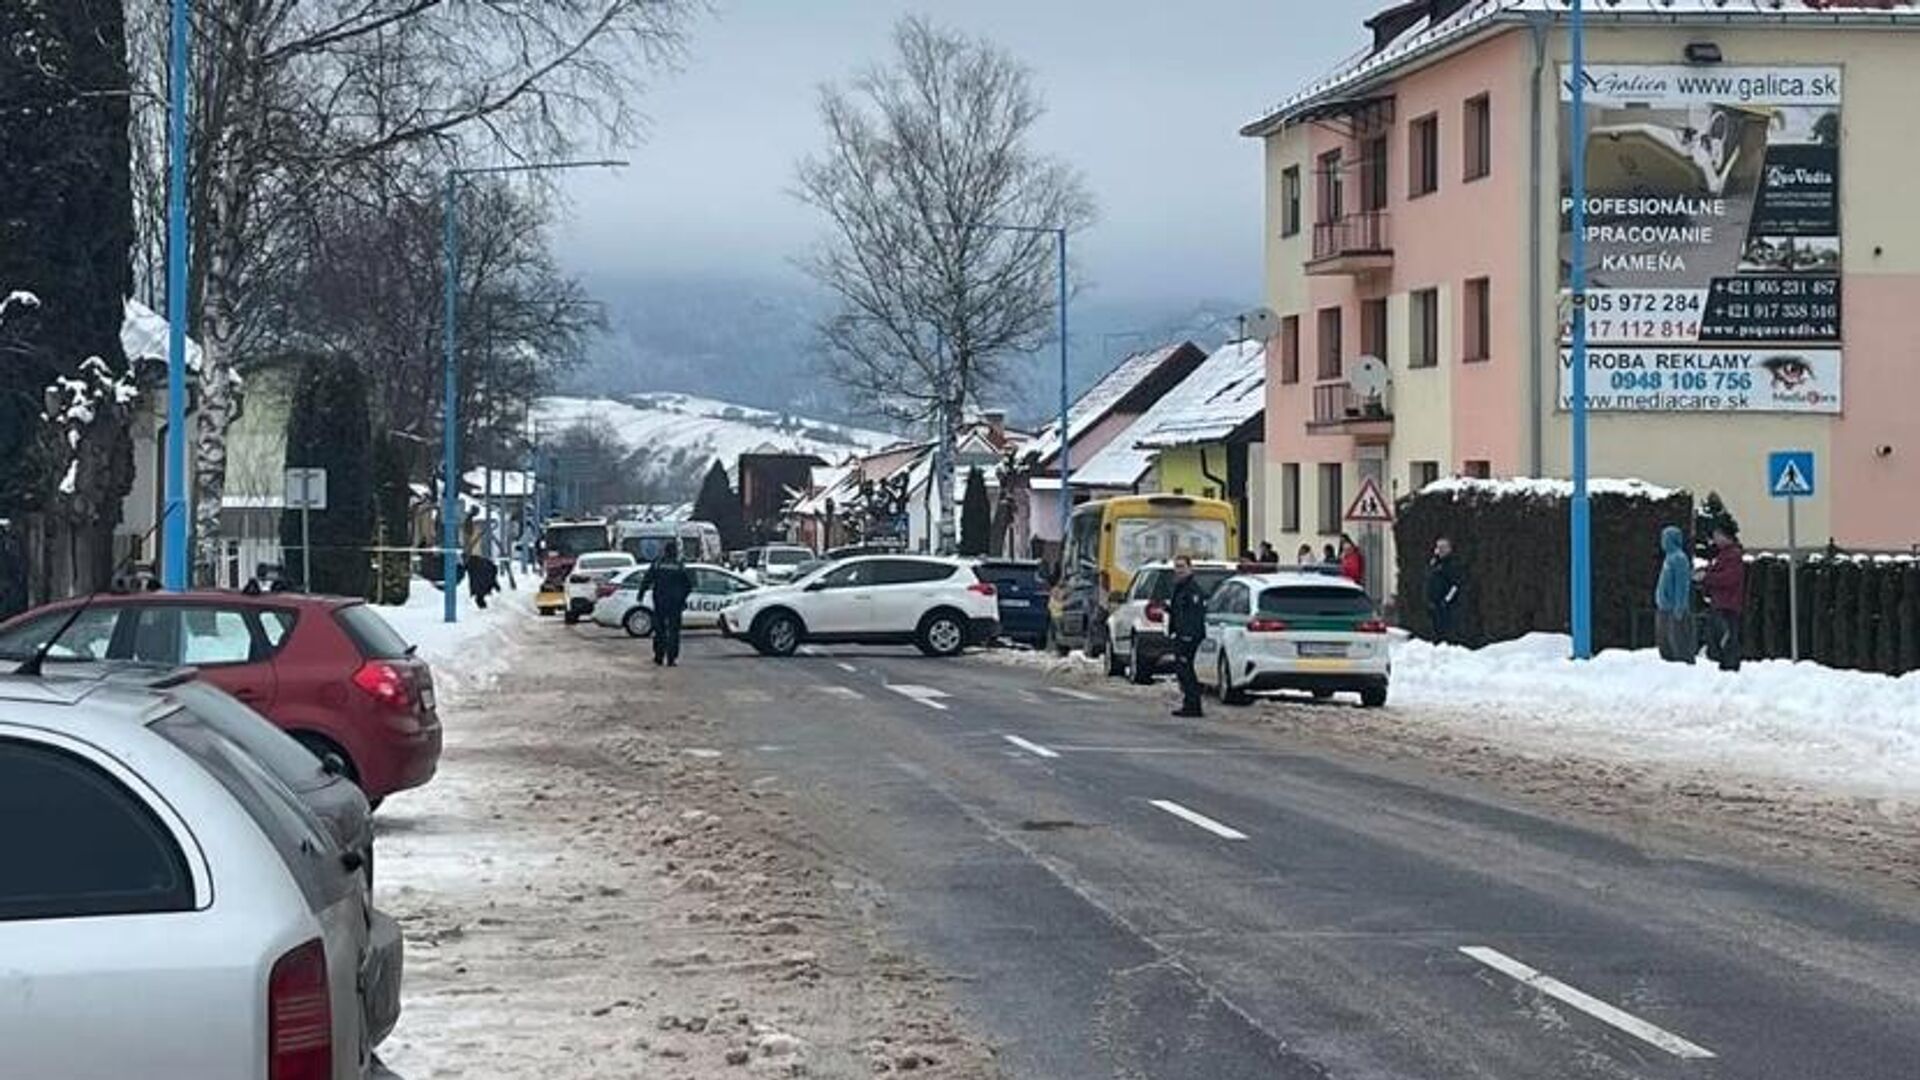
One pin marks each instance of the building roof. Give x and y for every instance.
(1420, 38)
(1207, 405)
(1126, 385)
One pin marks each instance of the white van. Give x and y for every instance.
(699, 540)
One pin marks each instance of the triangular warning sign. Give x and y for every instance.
(1791, 480)
(1369, 505)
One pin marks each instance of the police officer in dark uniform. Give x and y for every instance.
(1187, 621)
(671, 584)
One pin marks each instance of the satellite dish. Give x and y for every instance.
(1369, 379)
(1260, 324)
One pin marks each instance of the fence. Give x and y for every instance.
(1856, 611)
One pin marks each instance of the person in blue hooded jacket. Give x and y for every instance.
(1673, 599)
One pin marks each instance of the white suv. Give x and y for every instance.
(938, 604)
(169, 907)
(1295, 631)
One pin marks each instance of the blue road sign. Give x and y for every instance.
(1790, 474)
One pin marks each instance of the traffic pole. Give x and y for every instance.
(1581, 527)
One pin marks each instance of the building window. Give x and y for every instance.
(1477, 136)
(1332, 502)
(1479, 470)
(1329, 367)
(1478, 321)
(1290, 497)
(1424, 324)
(1422, 473)
(1290, 201)
(1373, 328)
(1373, 173)
(1423, 155)
(1290, 349)
(1330, 208)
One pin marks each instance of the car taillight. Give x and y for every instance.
(605, 589)
(384, 683)
(1372, 626)
(1156, 611)
(984, 588)
(300, 1016)
(1264, 625)
(577, 579)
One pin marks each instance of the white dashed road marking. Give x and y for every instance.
(1592, 1006)
(844, 666)
(1194, 817)
(925, 695)
(1033, 748)
(1077, 695)
(839, 691)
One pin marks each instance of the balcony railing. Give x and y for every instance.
(1352, 243)
(1340, 409)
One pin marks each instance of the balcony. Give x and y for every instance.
(1351, 244)
(1339, 409)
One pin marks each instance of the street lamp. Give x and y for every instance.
(450, 490)
(173, 534)
(1059, 235)
(1581, 601)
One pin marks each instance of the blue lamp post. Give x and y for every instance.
(1581, 601)
(450, 480)
(173, 529)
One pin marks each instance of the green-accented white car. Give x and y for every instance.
(1294, 631)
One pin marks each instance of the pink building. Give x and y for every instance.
(1752, 254)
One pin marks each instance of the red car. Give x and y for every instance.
(327, 669)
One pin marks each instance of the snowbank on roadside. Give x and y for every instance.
(1843, 731)
(473, 651)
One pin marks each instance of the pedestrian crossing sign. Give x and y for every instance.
(1790, 474)
(1369, 505)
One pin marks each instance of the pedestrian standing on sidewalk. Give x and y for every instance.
(1268, 556)
(1306, 558)
(1444, 585)
(1187, 622)
(1673, 599)
(1353, 562)
(670, 584)
(1725, 583)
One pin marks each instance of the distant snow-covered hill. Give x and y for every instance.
(686, 427)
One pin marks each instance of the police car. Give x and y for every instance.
(620, 603)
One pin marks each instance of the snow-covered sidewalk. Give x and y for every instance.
(473, 650)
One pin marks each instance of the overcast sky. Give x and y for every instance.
(1145, 97)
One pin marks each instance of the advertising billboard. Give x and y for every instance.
(1712, 237)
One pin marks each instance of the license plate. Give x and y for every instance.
(1323, 648)
(1014, 601)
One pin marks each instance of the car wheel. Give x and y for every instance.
(780, 634)
(942, 634)
(1054, 644)
(638, 623)
(1097, 639)
(1139, 671)
(1116, 667)
(1229, 694)
(324, 748)
(1373, 697)
(570, 617)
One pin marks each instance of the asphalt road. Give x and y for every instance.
(1121, 894)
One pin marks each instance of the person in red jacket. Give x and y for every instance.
(1353, 563)
(1725, 582)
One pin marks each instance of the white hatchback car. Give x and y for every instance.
(170, 909)
(938, 604)
(1137, 641)
(1294, 631)
(583, 581)
(714, 588)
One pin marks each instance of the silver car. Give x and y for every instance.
(170, 907)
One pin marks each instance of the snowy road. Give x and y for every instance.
(1115, 894)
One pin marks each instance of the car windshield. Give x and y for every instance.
(1309, 600)
(1138, 541)
(787, 556)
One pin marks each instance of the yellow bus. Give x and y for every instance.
(1109, 539)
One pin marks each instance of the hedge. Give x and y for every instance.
(1511, 539)
(1856, 611)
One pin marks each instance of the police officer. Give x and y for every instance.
(670, 584)
(1187, 621)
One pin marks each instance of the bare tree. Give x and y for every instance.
(922, 158)
(290, 96)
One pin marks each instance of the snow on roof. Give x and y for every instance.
(1545, 487)
(144, 336)
(831, 483)
(503, 483)
(1207, 404)
(1425, 37)
(1099, 400)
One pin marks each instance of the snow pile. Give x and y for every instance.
(1842, 731)
(1545, 488)
(474, 651)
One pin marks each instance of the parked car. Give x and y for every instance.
(776, 564)
(328, 670)
(620, 603)
(1294, 631)
(1021, 589)
(941, 605)
(1137, 628)
(1109, 539)
(161, 876)
(589, 570)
